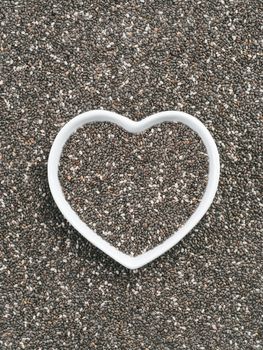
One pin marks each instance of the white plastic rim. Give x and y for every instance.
(132, 262)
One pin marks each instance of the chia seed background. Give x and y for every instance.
(60, 58)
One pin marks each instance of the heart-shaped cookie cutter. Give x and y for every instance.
(132, 262)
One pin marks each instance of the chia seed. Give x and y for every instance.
(62, 58)
(134, 190)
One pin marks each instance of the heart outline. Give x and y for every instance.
(133, 262)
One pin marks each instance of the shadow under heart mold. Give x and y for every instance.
(134, 190)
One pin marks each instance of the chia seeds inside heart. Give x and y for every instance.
(134, 190)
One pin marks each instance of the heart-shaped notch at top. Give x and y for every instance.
(132, 262)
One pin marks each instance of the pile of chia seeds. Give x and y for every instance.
(134, 190)
(136, 58)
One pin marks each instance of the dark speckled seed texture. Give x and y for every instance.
(134, 190)
(62, 58)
